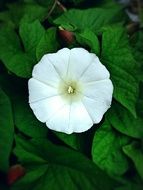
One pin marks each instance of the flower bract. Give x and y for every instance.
(70, 90)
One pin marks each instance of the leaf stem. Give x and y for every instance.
(61, 6)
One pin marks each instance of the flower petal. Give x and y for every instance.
(45, 72)
(60, 60)
(39, 90)
(96, 71)
(45, 109)
(97, 98)
(80, 119)
(80, 60)
(69, 119)
(60, 120)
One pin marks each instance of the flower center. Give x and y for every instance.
(70, 90)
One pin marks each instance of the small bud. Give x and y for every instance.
(66, 35)
(14, 173)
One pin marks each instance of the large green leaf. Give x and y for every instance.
(26, 12)
(131, 186)
(76, 141)
(136, 42)
(6, 131)
(87, 38)
(122, 120)
(93, 18)
(47, 44)
(12, 55)
(140, 101)
(31, 34)
(24, 118)
(118, 58)
(136, 154)
(46, 3)
(107, 150)
(53, 167)
(5, 18)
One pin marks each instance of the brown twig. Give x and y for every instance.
(61, 6)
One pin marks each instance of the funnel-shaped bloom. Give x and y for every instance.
(70, 90)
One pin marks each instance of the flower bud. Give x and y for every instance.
(66, 35)
(14, 173)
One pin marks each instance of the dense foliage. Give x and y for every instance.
(109, 155)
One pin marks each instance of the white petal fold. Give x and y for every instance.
(97, 98)
(45, 109)
(40, 91)
(80, 119)
(60, 60)
(95, 72)
(45, 72)
(69, 119)
(80, 60)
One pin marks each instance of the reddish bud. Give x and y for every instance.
(14, 173)
(66, 35)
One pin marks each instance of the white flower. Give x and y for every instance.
(70, 90)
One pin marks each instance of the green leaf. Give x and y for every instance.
(31, 34)
(12, 55)
(53, 167)
(131, 186)
(26, 12)
(5, 18)
(92, 19)
(47, 44)
(140, 101)
(21, 64)
(24, 118)
(88, 38)
(6, 131)
(46, 3)
(107, 150)
(76, 141)
(136, 42)
(136, 154)
(117, 57)
(122, 120)
(9, 41)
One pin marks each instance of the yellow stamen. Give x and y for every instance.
(70, 90)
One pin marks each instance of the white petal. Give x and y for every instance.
(99, 89)
(60, 120)
(45, 109)
(45, 72)
(39, 90)
(70, 118)
(96, 71)
(80, 119)
(80, 60)
(97, 99)
(60, 60)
